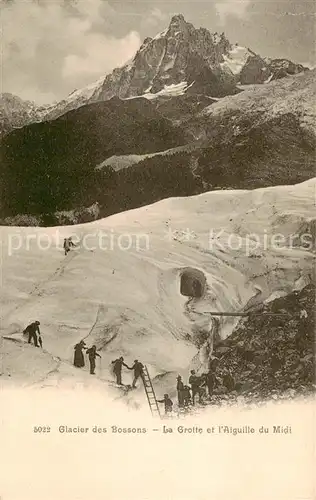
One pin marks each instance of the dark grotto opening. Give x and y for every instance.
(192, 283)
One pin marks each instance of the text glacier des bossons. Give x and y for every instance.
(180, 429)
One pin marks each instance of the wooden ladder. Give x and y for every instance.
(150, 393)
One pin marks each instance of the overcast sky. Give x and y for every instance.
(51, 47)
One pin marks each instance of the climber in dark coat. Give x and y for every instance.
(117, 369)
(68, 244)
(210, 382)
(228, 381)
(186, 395)
(33, 330)
(168, 403)
(78, 357)
(138, 371)
(301, 336)
(203, 386)
(180, 390)
(195, 383)
(92, 353)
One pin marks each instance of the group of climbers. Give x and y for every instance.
(202, 386)
(137, 367)
(33, 332)
(79, 357)
(199, 386)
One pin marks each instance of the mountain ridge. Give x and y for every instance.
(261, 137)
(204, 62)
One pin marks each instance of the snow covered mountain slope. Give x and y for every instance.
(236, 58)
(117, 162)
(174, 58)
(77, 98)
(294, 95)
(120, 289)
(261, 137)
(15, 112)
(181, 60)
(184, 59)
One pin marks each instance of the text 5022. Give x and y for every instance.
(43, 430)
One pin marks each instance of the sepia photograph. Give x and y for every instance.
(158, 225)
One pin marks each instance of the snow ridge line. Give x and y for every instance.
(37, 288)
(59, 361)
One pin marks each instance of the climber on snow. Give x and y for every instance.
(78, 357)
(33, 330)
(92, 353)
(68, 244)
(211, 382)
(180, 391)
(195, 383)
(117, 369)
(186, 396)
(138, 371)
(167, 402)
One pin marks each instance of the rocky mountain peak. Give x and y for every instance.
(179, 23)
(179, 55)
(180, 60)
(178, 18)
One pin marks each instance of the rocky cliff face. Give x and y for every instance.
(259, 70)
(270, 356)
(261, 137)
(14, 112)
(179, 54)
(195, 60)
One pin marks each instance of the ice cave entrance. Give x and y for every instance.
(193, 283)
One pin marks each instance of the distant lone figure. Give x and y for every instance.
(117, 369)
(138, 371)
(78, 357)
(33, 330)
(92, 353)
(168, 403)
(68, 244)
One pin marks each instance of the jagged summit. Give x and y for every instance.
(178, 18)
(187, 60)
(191, 60)
(178, 22)
(179, 54)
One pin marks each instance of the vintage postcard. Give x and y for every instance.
(158, 223)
